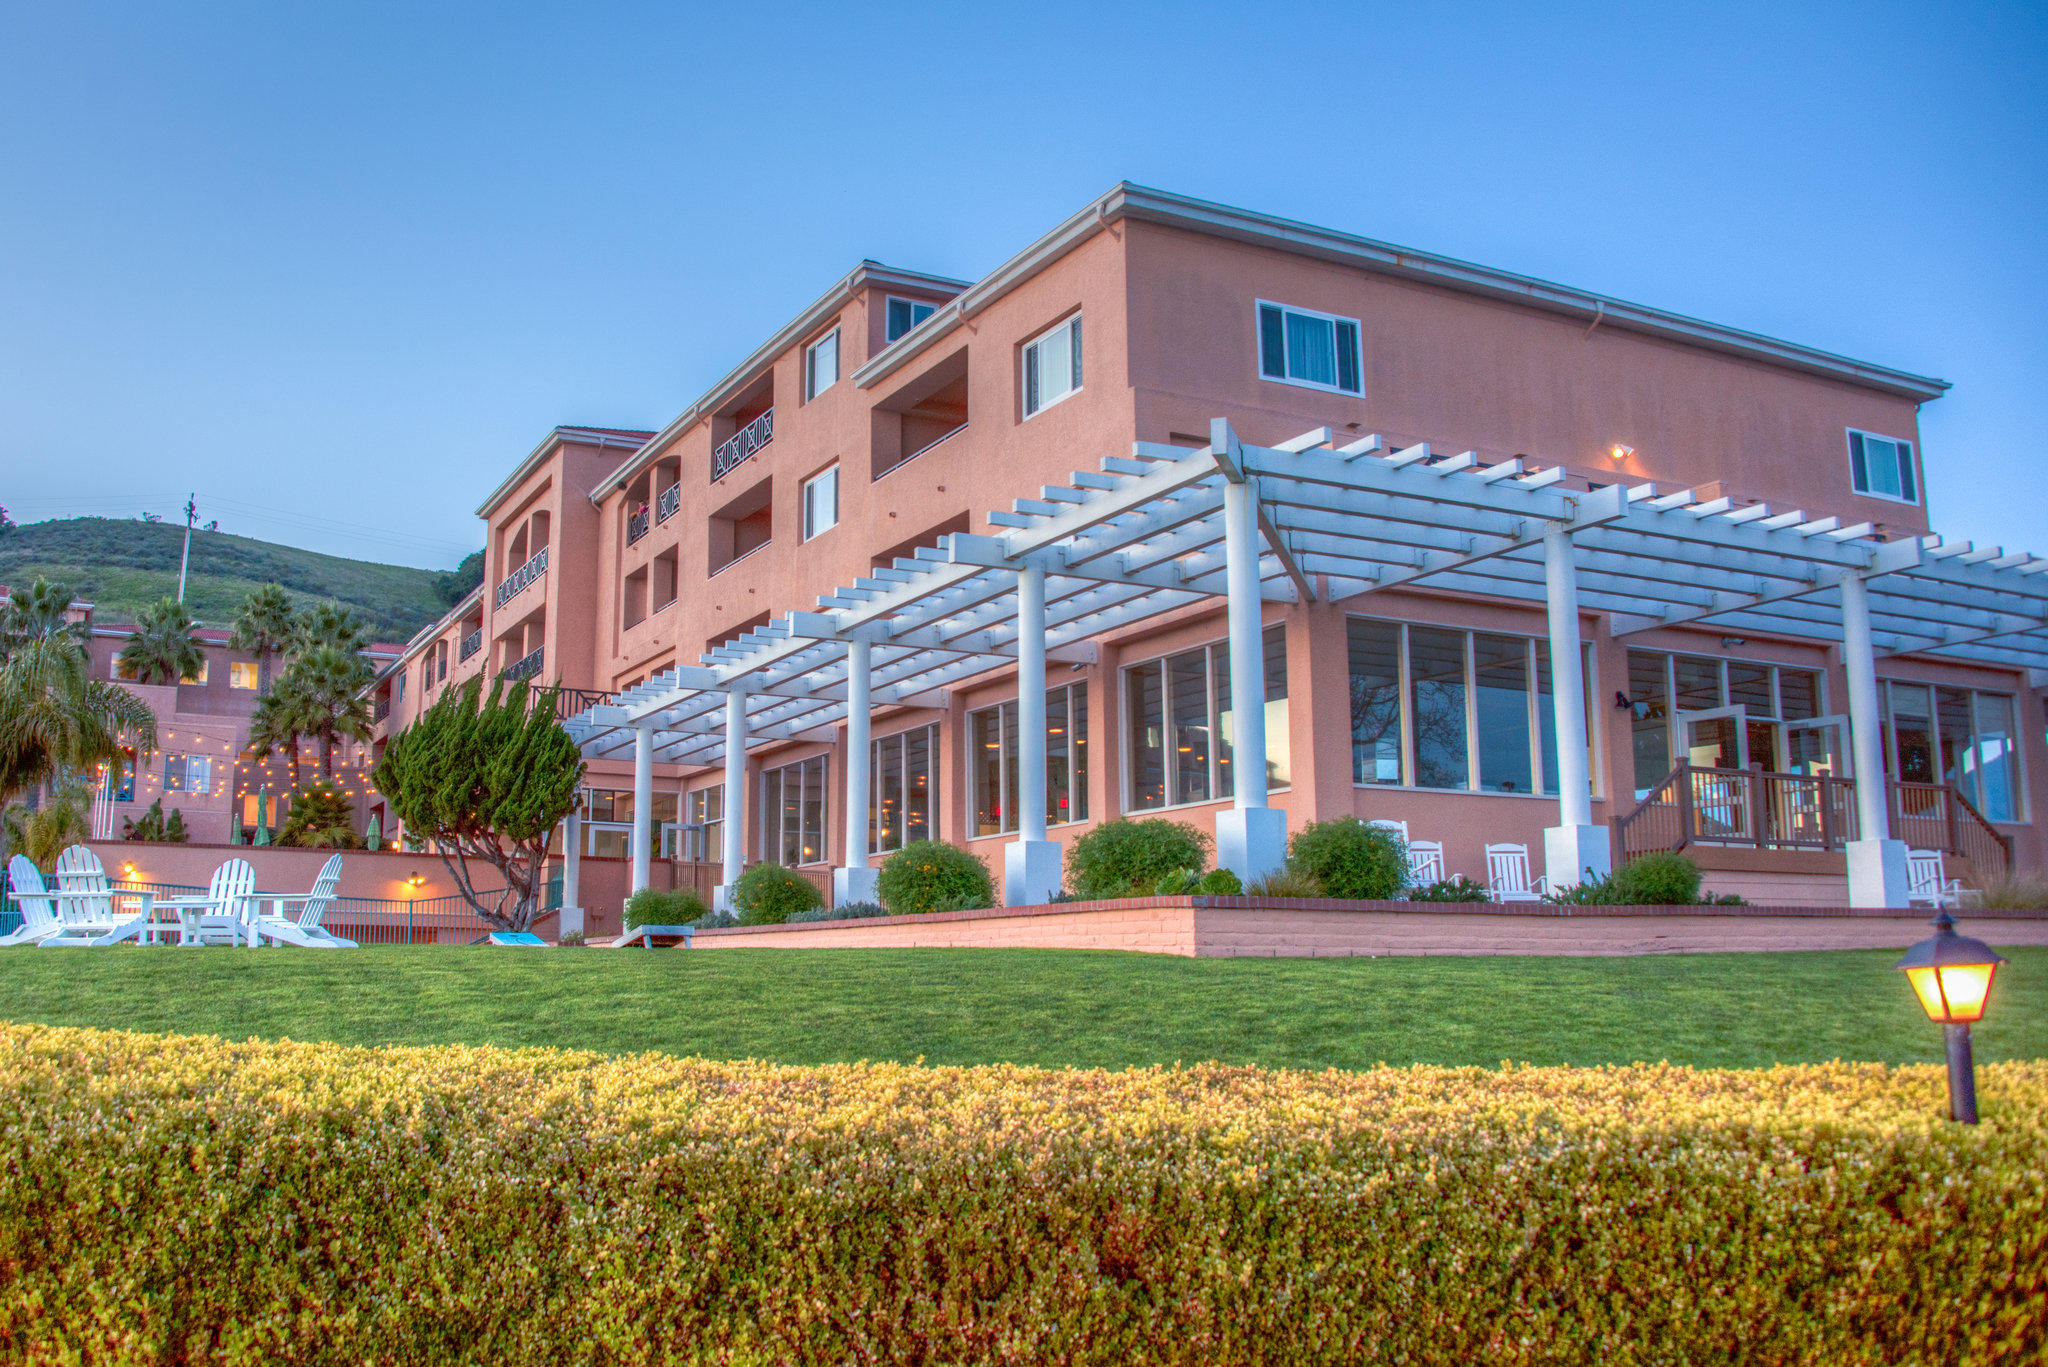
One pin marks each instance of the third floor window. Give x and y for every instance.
(821, 365)
(821, 501)
(1882, 466)
(1052, 366)
(1300, 346)
(905, 314)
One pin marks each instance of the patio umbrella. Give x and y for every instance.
(262, 819)
(374, 837)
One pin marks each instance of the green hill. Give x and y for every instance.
(123, 565)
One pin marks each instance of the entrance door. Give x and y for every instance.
(1718, 738)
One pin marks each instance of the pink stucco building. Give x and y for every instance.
(1407, 660)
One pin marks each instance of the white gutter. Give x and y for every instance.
(582, 436)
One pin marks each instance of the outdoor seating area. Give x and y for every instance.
(87, 909)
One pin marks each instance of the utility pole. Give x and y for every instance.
(185, 561)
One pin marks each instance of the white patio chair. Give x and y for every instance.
(1507, 875)
(1399, 828)
(1928, 883)
(1425, 862)
(38, 910)
(223, 916)
(90, 912)
(304, 929)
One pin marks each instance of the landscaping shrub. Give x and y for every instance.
(654, 907)
(1284, 883)
(769, 894)
(1459, 889)
(851, 911)
(930, 875)
(1220, 883)
(320, 819)
(152, 828)
(192, 1199)
(573, 940)
(1345, 857)
(1178, 883)
(1648, 880)
(2015, 892)
(1126, 858)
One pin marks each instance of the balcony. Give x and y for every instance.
(636, 526)
(669, 504)
(523, 576)
(471, 644)
(523, 668)
(381, 710)
(742, 444)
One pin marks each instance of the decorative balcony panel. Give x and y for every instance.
(523, 576)
(471, 644)
(636, 526)
(525, 667)
(382, 709)
(742, 444)
(670, 502)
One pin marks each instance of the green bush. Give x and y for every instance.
(1178, 883)
(1220, 883)
(769, 894)
(653, 907)
(1284, 883)
(1126, 858)
(1345, 857)
(320, 819)
(1648, 880)
(930, 875)
(1459, 889)
(848, 911)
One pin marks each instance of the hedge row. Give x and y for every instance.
(183, 1199)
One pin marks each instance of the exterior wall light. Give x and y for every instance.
(1951, 974)
(1621, 451)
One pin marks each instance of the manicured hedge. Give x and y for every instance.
(182, 1199)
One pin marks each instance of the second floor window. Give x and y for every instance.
(821, 502)
(1300, 346)
(905, 314)
(1052, 366)
(821, 365)
(188, 773)
(1882, 466)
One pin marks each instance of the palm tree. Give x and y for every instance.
(333, 681)
(56, 719)
(265, 626)
(41, 612)
(280, 720)
(162, 650)
(44, 832)
(329, 624)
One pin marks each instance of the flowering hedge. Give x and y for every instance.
(183, 1199)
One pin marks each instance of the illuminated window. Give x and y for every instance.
(992, 759)
(900, 788)
(1178, 722)
(241, 674)
(793, 813)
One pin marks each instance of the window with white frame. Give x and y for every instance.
(1954, 735)
(1882, 466)
(1436, 707)
(706, 810)
(1052, 366)
(1301, 346)
(793, 813)
(821, 364)
(821, 501)
(1178, 725)
(905, 314)
(992, 760)
(188, 773)
(1663, 689)
(900, 792)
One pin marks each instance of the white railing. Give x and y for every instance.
(524, 575)
(742, 444)
(670, 502)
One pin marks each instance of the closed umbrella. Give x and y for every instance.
(262, 818)
(374, 837)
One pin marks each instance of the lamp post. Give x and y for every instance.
(412, 887)
(1951, 974)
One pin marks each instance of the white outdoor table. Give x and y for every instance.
(190, 909)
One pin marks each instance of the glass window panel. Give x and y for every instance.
(1012, 780)
(1188, 685)
(1750, 686)
(791, 851)
(1311, 349)
(885, 819)
(1912, 733)
(1273, 651)
(1799, 694)
(1436, 662)
(1546, 717)
(1375, 701)
(1143, 705)
(985, 739)
(1650, 724)
(1699, 682)
(1057, 738)
(1501, 705)
(1995, 755)
(812, 850)
(1078, 704)
(918, 748)
(1953, 728)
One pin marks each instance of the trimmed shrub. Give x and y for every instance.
(851, 911)
(1127, 858)
(1284, 883)
(1459, 889)
(769, 894)
(654, 907)
(930, 875)
(1220, 883)
(1347, 858)
(297, 1203)
(1657, 880)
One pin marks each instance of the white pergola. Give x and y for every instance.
(1167, 526)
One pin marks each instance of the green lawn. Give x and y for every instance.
(1050, 1007)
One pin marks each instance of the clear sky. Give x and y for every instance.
(337, 268)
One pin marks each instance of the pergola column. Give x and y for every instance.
(643, 801)
(1251, 837)
(1031, 863)
(571, 918)
(856, 881)
(735, 796)
(1876, 862)
(1574, 848)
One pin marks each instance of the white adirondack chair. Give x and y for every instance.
(89, 911)
(38, 911)
(1425, 862)
(229, 907)
(304, 929)
(1928, 883)
(1507, 875)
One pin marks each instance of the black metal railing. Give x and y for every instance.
(570, 701)
(524, 667)
(471, 644)
(669, 504)
(524, 575)
(381, 710)
(636, 526)
(742, 444)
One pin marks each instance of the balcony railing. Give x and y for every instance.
(669, 504)
(742, 444)
(636, 526)
(471, 644)
(381, 710)
(570, 701)
(525, 667)
(524, 575)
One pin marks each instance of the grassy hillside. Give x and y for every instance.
(123, 565)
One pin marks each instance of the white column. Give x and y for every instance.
(1575, 846)
(643, 801)
(571, 918)
(855, 882)
(735, 796)
(1031, 863)
(1876, 862)
(1251, 838)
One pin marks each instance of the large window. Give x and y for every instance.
(793, 813)
(900, 788)
(905, 314)
(1882, 466)
(821, 364)
(241, 674)
(1683, 707)
(992, 758)
(608, 822)
(1052, 366)
(1178, 725)
(705, 809)
(188, 773)
(1959, 736)
(1301, 346)
(1434, 707)
(821, 501)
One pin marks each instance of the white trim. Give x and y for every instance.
(1912, 460)
(1259, 347)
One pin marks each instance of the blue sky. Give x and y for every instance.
(338, 267)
